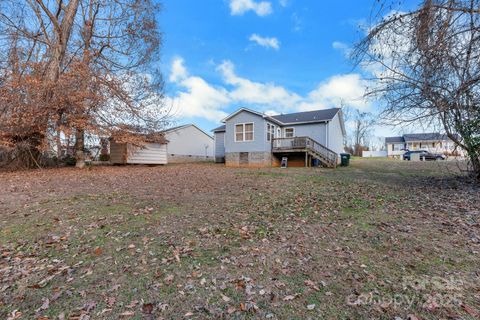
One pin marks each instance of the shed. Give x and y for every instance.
(154, 151)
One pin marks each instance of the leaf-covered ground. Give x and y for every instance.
(379, 239)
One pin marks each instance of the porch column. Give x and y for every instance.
(306, 159)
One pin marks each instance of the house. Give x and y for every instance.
(153, 152)
(188, 143)
(253, 139)
(432, 142)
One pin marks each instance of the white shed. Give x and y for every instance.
(188, 143)
(153, 152)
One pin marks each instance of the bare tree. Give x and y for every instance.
(79, 67)
(362, 126)
(426, 67)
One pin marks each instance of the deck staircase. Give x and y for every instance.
(327, 157)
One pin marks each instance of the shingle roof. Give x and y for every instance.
(219, 129)
(425, 137)
(394, 140)
(308, 116)
(409, 137)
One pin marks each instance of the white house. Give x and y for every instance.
(188, 143)
(432, 142)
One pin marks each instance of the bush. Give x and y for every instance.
(104, 157)
(69, 161)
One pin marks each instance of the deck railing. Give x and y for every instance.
(305, 144)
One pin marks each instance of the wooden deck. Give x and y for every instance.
(307, 145)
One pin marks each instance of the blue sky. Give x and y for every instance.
(274, 56)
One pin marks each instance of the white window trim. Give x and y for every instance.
(273, 128)
(243, 124)
(293, 133)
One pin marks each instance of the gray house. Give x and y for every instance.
(253, 139)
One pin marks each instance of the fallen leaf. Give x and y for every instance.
(98, 251)
(147, 308)
(169, 278)
(470, 311)
(127, 314)
(45, 305)
(225, 298)
(290, 297)
(311, 306)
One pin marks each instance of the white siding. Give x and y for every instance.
(335, 135)
(190, 141)
(151, 153)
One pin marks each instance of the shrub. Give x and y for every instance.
(69, 161)
(104, 157)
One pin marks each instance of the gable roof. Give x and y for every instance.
(186, 126)
(243, 110)
(307, 116)
(292, 118)
(220, 129)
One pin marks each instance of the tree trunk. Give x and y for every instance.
(475, 163)
(79, 148)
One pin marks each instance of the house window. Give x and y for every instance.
(270, 132)
(289, 132)
(243, 132)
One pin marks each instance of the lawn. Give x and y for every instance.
(379, 239)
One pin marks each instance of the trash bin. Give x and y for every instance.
(345, 157)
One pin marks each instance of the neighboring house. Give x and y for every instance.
(188, 143)
(251, 138)
(153, 152)
(432, 142)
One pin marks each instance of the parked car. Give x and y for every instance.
(424, 155)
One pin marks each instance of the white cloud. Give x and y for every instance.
(239, 7)
(342, 47)
(247, 91)
(198, 98)
(347, 89)
(265, 41)
(283, 3)
(178, 70)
